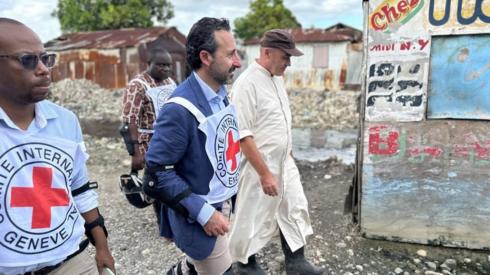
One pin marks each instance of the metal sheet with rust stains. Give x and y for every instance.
(460, 77)
(113, 39)
(112, 57)
(427, 182)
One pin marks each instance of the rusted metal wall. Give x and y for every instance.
(302, 74)
(109, 68)
(105, 67)
(354, 65)
(112, 57)
(424, 179)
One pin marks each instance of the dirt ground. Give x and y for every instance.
(337, 243)
(345, 251)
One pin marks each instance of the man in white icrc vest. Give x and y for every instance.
(194, 157)
(142, 99)
(47, 204)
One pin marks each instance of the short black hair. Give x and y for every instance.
(156, 51)
(201, 37)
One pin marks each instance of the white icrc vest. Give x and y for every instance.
(39, 221)
(158, 96)
(222, 149)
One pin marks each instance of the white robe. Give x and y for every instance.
(263, 112)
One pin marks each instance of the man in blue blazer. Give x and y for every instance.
(193, 157)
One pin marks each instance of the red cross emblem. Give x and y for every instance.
(232, 150)
(41, 197)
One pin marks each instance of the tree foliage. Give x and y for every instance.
(91, 15)
(263, 16)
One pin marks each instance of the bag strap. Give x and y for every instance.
(189, 106)
(147, 87)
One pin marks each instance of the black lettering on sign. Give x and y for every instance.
(412, 100)
(383, 69)
(404, 84)
(407, 82)
(372, 99)
(386, 84)
(477, 13)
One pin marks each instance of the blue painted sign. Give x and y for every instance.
(460, 77)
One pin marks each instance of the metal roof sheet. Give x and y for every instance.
(336, 33)
(110, 39)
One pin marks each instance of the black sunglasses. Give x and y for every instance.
(29, 61)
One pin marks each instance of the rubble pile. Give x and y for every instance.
(87, 99)
(337, 110)
(310, 109)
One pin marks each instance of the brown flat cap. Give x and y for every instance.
(280, 39)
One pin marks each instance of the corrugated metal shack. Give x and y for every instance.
(112, 57)
(424, 157)
(331, 61)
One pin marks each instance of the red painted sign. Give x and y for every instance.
(393, 11)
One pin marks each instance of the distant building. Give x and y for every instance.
(332, 58)
(112, 57)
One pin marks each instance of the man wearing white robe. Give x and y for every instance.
(270, 198)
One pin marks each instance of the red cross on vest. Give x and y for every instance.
(232, 150)
(41, 197)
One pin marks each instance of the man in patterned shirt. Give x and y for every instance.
(142, 99)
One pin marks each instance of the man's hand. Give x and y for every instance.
(137, 160)
(217, 225)
(103, 258)
(269, 184)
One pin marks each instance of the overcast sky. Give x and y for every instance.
(318, 13)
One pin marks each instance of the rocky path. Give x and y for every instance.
(337, 243)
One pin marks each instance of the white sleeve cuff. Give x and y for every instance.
(205, 214)
(86, 201)
(245, 133)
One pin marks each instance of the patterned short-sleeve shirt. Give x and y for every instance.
(137, 107)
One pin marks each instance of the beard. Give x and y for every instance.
(220, 77)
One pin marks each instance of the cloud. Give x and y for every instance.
(187, 12)
(5, 5)
(37, 14)
(309, 13)
(34, 14)
(322, 14)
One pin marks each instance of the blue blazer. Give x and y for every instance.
(178, 141)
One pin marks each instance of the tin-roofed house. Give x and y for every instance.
(331, 61)
(111, 58)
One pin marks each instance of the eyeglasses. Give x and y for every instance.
(29, 61)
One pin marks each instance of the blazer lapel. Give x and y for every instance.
(201, 101)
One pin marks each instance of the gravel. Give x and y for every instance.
(337, 243)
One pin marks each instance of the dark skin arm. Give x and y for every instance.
(138, 158)
(103, 256)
